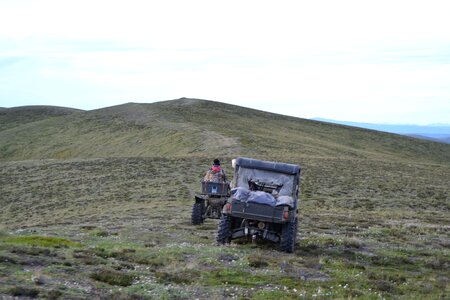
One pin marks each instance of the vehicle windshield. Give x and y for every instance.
(285, 182)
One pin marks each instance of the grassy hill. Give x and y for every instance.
(191, 127)
(16, 116)
(96, 204)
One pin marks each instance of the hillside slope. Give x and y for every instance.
(373, 210)
(16, 116)
(192, 127)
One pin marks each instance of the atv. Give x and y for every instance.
(263, 204)
(209, 203)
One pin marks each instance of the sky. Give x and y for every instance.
(363, 61)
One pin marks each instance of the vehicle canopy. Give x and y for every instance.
(268, 176)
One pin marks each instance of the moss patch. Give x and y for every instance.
(39, 241)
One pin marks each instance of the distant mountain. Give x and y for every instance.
(439, 140)
(434, 132)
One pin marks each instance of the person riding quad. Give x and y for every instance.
(215, 173)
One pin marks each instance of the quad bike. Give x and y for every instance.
(264, 204)
(209, 203)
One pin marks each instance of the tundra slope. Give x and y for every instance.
(367, 229)
(111, 219)
(191, 127)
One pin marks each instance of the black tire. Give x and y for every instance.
(288, 236)
(224, 230)
(197, 214)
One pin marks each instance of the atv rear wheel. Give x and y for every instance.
(197, 213)
(224, 230)
(288, 236)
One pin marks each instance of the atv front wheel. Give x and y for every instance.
(197, 214)
(288, 236)
(224, 230)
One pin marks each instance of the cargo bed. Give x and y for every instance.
(260, 212)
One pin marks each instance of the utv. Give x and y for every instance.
(209, 203)
(263, 204)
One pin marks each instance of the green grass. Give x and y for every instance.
(39, 241)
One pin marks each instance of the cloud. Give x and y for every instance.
(380, 61)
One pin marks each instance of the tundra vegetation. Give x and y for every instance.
(96, 205)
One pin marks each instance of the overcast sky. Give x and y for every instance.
(367, 61)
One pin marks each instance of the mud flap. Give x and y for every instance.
(199, 200)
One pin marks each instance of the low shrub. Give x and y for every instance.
(257, 261)
(113, 277)
(21, 291)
